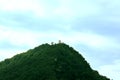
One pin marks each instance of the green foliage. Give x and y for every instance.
(48, 62)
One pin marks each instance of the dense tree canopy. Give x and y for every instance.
(48, 62)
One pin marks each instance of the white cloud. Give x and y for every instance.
(15, 4)
(23, 5)
(75, 8)
(90, 39)
(20, 37)
(112, 70)
(9, 53)
(65, 8)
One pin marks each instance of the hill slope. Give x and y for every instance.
(48, 62)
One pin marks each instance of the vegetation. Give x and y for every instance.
(48, 62)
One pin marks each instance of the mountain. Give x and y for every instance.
(48, 62)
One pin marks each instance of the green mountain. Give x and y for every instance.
(48, 62)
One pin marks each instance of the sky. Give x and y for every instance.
(92, 27)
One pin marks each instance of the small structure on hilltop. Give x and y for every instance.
(59, 41)
(52, 43)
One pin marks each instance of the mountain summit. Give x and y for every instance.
(48, 62)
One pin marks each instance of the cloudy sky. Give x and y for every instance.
(92, 27)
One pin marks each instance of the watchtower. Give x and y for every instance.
(59, 41)
(52, 43)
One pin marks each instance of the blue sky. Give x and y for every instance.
(92, 27)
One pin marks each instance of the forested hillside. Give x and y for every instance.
(48, 62)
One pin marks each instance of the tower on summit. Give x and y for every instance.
(52, 43)
(59, 41)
